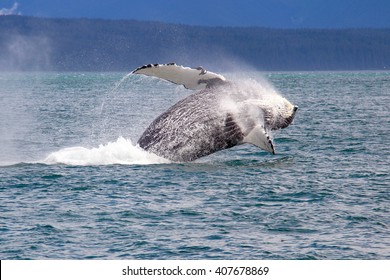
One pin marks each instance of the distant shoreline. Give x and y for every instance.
(101, 45)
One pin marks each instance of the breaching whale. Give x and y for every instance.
(219, 116)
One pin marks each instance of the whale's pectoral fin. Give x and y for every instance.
(190, 78)
(259, 137)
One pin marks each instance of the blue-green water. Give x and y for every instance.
(325, 195)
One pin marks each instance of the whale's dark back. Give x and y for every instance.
(192, 128)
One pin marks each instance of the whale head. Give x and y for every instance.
(284, 114)
(259, 117)
(279, 114)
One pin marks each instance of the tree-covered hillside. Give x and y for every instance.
(28, 43)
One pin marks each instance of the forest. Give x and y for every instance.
(46, 44)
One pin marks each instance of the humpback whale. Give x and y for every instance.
(220, 115)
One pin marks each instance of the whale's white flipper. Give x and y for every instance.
(259, 137)
(190, 78)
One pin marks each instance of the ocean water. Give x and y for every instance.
(73, 184)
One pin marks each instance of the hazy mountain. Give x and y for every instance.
(29, 43)
(267, 13)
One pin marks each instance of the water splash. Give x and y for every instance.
(113, 90)
(122, 151)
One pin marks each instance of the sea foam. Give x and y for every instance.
(122, 151)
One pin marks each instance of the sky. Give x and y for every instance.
(265, 13)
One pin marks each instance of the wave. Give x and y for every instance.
(122, 151)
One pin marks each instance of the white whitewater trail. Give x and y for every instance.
(122, 151)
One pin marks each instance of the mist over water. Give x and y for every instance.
(83, 106)
(26, 52)
(74, 185)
